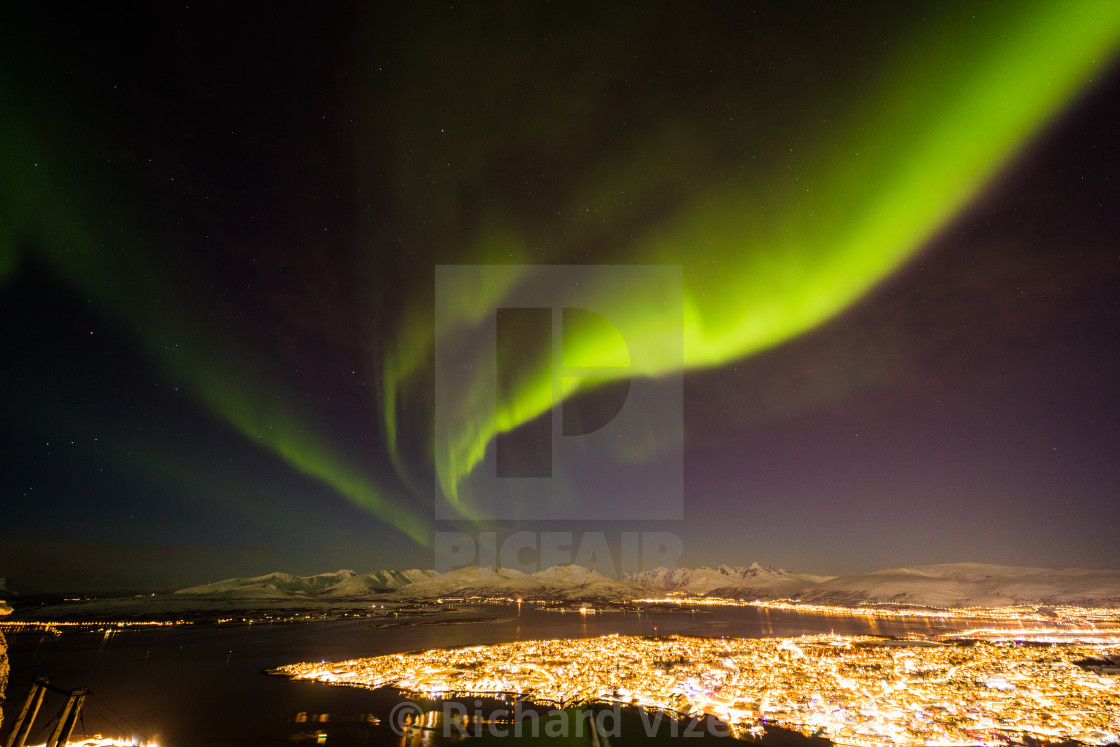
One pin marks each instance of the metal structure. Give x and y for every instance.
(60, 735)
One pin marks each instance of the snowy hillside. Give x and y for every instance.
(559, 583)
(753, 581)
(359, 586)
(971, 584)
(950, 585)
(271, 586)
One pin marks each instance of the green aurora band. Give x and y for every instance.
(765, 262)
(134, 293)
(767, 255)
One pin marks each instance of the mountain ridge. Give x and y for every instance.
(938, 585)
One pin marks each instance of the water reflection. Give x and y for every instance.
(178, 683)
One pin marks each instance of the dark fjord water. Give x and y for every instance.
(202, 685)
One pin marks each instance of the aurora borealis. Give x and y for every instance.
(219, 234)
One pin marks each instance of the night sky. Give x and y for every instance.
(220, 226)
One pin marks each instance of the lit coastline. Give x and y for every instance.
(850, 689)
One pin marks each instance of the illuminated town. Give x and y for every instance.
(99, 741)
(858, 690)
(1015, 614)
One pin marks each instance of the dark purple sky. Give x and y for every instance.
(212, 243)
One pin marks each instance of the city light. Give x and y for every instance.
(858, 690)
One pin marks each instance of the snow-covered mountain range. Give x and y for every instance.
(971, 585)
(340, 584)
(750, 582)
(948, 585)
(561, 582)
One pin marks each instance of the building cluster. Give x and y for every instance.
(1064, 615)
(851, 689)
(57, 626)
